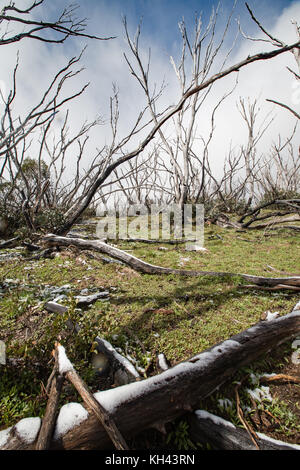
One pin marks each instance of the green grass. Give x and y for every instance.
(179, 316)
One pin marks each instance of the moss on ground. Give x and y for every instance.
(145, 314)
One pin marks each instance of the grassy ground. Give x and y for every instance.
(144, 315)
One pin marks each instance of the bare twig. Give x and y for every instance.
(253, 436)
(95, 407)
(48, 423)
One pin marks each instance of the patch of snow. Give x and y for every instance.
(70, 415)
(255, 378)
(191, 247)
(271, 316)
(259, 394)
(28, 428)
(215, 419)
(2, 353)
(4, 435)
(296, 357)
(296, 343)
(225, 403)
(64, 364)
(162, 362)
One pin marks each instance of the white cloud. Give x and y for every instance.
(105, 64)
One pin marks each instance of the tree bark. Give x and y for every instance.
(48, 423)
(147, 268)
(159, 399)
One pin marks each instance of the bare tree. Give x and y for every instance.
(16, 24)
(36, 190)
(199, 55)
(115, 154)
(279, 43)
(280, 175)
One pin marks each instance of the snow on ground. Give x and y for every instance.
(260, 393)
(271, 316)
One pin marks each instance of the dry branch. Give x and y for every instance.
(279, 378)
(147, 268)
(11, 243)
(49, 420)
(159, 399)
(276, 287)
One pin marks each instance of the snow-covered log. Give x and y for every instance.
(147, 268)
(159, 399)
(223, 435)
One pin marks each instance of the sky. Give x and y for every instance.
(104, 64)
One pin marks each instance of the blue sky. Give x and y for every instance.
(104, 62)
(161, 16)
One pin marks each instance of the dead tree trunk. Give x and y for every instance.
(147, 268)
(223, 435)
(156, 400)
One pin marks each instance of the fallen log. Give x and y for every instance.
(271, 223)
(156, 400)
(286, 227)
(223, 435)
(11, 243)
(146, 268)
(152, 240)
(276, 287)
